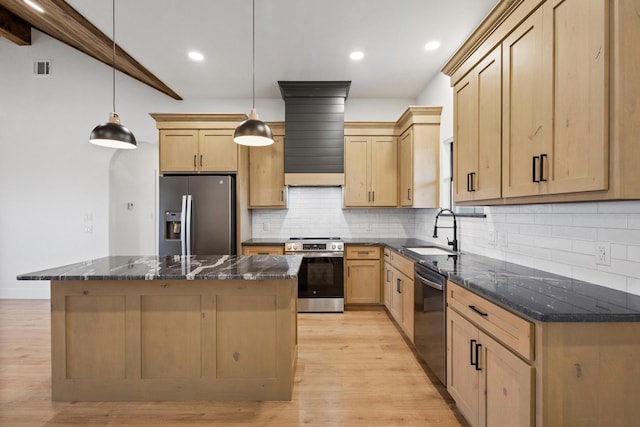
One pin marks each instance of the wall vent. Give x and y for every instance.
(42, 68)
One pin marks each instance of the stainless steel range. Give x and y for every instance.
(321, 277)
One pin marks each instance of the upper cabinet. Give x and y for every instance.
(197, 143)
(567, 74)
(371, 171)
(266, 173)
(478, 134)
(419, 157)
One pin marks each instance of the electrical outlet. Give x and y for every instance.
(503, 239)
(603, 254)
(492, 238)
(265, 226)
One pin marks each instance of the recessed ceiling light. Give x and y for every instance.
(196, 56)
(433, 45)
(34, 5)
(356, 56)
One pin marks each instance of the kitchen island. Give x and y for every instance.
(173, 328)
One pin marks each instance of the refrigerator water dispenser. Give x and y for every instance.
(172, 225)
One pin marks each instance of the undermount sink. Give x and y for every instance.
(430, 250)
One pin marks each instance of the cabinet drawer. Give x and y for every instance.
(512, 330)
(263, 250)
(402, 264)
(363, 252)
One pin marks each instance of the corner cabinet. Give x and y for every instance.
(266, 174)
(568, 80)
(371, 170)
(419, 157)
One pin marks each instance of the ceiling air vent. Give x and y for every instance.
(42, 68)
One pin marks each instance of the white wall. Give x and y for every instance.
(560, 238)
(54, 185)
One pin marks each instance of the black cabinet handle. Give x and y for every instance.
(194, 160)
(468, 184)
(349, 271)
(473, 307)
(408, 194)
(542, 157)
(471, 349)
(533, 169)
(477, 365)
(398, 286)
(473, 181)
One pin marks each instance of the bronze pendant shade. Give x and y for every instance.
(112, 134)
(253, 132)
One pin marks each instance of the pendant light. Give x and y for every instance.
(112, 134)
(253, 132)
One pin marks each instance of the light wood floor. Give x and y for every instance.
(354, 369)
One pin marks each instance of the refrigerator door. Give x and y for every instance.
(213, 230)
(170, 221)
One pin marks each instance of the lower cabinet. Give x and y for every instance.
(262, 250)
(491, 385)
(398, 290)
(363, 275)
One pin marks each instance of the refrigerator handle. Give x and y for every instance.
(183, 226)
(189, 227)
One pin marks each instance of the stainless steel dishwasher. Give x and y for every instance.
(429, 319)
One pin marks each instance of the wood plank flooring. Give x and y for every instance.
(354, 369)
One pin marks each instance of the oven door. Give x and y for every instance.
(321, 275)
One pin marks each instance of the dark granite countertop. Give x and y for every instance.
(194, 267)
(532, 293)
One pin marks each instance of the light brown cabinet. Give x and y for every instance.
(478, 131)
(569, 75)
(262, 249)
(371, 171)
(266, 175)
(362, 284)
(197, 150)
(419, 157)
(490, 384)
(399, 292)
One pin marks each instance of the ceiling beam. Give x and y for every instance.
(64, 23)
(14, 28)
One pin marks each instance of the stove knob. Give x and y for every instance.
(340, 246)
(289, 247)
(333, 246)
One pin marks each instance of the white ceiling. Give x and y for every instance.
(295, 40)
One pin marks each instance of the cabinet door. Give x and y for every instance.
(465, 138)
(406, 168)
(407, 307)
(216, 151)
(463, 379)
(388, 285)
(508, 388)
(363, 282)
(526, 129)
(576, 64)
(178, 150)
(396, 296)
(357, 158)
(487, 183)
(384, 171)
(266, 175)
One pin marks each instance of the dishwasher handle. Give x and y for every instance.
(429, 283)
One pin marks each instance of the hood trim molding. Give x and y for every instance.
(314, 179)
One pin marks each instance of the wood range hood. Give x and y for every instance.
(314, 132)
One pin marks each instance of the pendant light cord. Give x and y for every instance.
(113, 60)
(253, 57)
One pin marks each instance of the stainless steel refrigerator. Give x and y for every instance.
(197, 215)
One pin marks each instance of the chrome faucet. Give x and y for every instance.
(454, 242)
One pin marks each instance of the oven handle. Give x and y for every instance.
(429, 283)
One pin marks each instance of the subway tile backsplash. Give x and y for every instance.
(560, 238)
